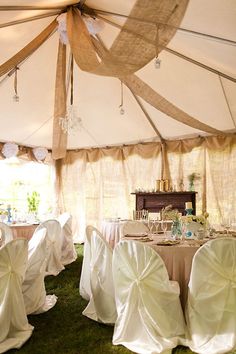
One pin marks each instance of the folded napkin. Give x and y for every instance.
(136, 234)
(167, 242)
(140, 238)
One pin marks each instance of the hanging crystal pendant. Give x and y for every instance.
(157, 63)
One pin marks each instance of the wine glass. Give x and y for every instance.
(184, 230)
(226, 224)
(150, 225)
(164, 225)
(156, 225)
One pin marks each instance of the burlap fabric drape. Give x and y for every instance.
(129, 52)
(101, 176)
(28, 49)
(143, 90)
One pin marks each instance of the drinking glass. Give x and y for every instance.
(164, 225)
(226, 225)
(151, 226)
(156, 225)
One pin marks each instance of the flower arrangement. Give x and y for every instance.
(33, 202)
(168, 213)
(193, 177)
(200, 219)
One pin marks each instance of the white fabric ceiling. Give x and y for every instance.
(193, 89)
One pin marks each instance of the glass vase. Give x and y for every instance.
(176, 230)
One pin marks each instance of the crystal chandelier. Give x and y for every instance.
(71, 122)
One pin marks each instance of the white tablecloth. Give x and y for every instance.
(111, 230)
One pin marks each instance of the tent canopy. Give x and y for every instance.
(203, 94)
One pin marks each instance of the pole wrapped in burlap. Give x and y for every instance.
(59, 141)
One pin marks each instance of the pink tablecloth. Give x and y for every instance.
(23, 230)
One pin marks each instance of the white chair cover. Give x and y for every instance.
(211, 306)
(54, 239)
(132, 227)
(35, 298)
(14, 327)
(150, 318)
(6, 233)
(101, 306)
(84, 284)
(69, 253)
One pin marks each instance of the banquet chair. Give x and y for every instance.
(33, 287)
(132, 227)
(6, 233)
(84, 285)
(101, 306)
(54, 240)
(14, 327)
(211, 304)
(149, 314)
(68, 251)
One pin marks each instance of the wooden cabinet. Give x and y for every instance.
(154, 202)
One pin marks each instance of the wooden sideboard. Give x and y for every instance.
(154, 202)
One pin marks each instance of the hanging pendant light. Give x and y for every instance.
(157, 61)
(121, 106)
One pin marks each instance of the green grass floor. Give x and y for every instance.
(63, 329)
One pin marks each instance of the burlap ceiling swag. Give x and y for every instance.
(129, 52)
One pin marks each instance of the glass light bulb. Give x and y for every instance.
(16, 98)
(122, 111)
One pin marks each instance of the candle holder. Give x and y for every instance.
(189, 211)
